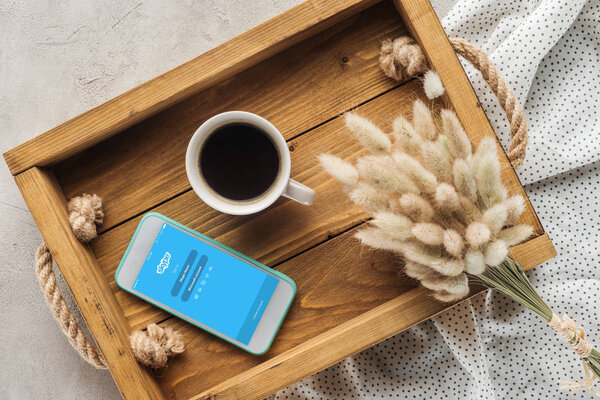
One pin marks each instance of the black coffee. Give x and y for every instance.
(239, 161)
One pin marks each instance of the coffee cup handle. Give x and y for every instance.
(299, 192)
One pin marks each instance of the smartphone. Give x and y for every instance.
(205, 283)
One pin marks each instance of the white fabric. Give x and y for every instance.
(492, 348)
(549, 53)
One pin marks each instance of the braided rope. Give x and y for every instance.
(61, 312)
(151, 348)
(403, 58)
(505, 95)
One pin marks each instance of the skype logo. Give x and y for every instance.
(164, 263)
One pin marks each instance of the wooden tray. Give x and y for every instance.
(301, 70)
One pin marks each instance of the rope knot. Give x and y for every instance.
(155, 345)
(402, 58)
(85, 213)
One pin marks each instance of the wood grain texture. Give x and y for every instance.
(214, 66)
(426, 29)
(283, 230)
(80, 270)
(534, 251)
(334, 71)
(326, 349)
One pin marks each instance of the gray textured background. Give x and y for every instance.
(57, 60)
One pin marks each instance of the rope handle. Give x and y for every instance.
(151, 347)
(403, 58)
(61, 312)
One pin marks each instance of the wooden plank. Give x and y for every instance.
(80, 270)
(425, 28)
(343, 289)
(534, 252)
(335, 70)
(224, 61)
(283, 230)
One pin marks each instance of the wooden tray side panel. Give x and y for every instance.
(171, 87)
(80, 269)
(328, 348)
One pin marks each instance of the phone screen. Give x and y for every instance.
(205, 283)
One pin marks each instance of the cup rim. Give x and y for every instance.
(192, 165)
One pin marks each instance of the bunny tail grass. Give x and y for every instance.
(432, 84)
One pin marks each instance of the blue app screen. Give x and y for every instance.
(205, 283)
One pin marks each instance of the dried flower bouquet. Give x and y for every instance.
(442, 206)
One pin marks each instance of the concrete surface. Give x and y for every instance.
(57, 60)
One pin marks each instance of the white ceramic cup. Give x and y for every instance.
(282, 185)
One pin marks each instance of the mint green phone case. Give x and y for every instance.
(221, 246)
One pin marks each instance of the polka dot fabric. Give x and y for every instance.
(412, 364)
(490, 347)
(549, 53)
